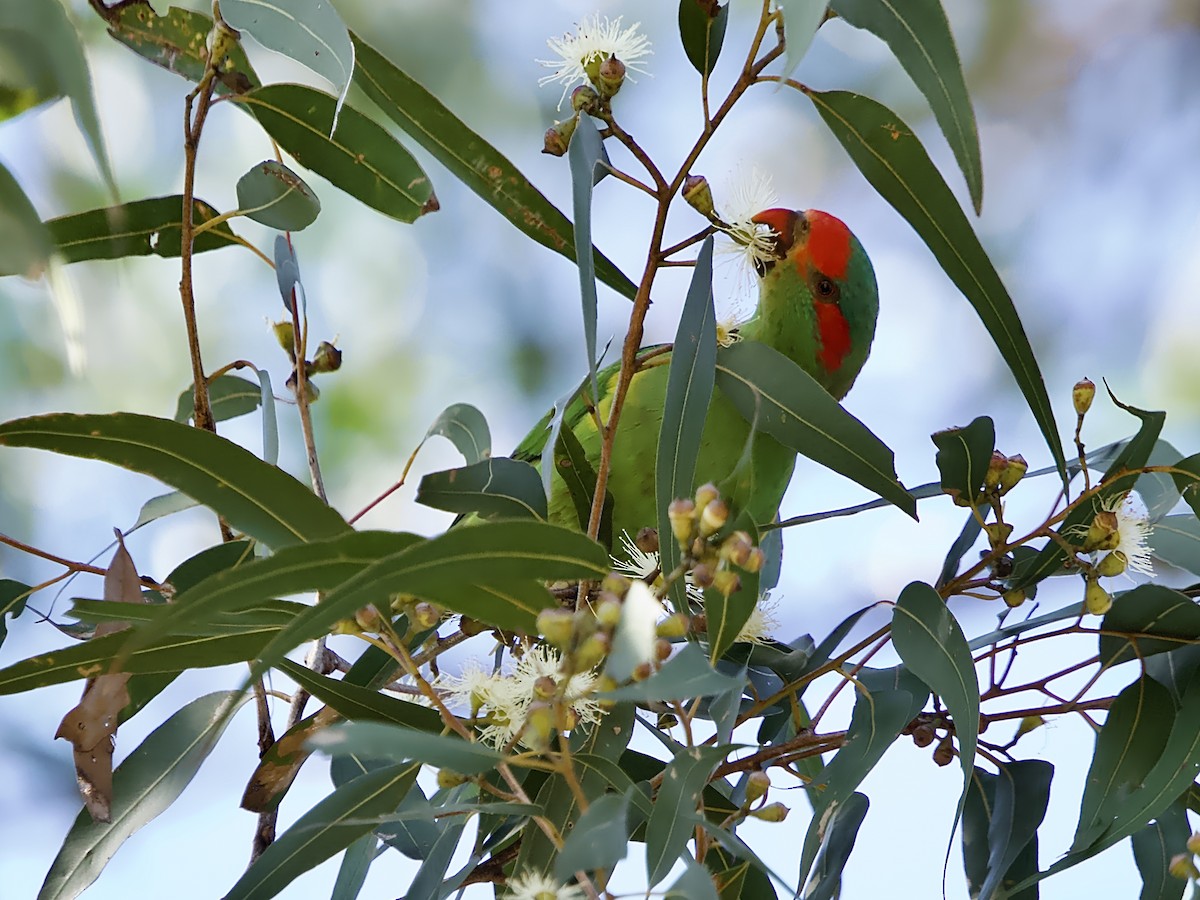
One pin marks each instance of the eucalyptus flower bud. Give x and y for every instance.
(1082, 395)
(558, 137)
(673, 626)
(706, 494)
(996, 465)
(1015, 598)
(447, 779)
(328, 358)
(1013, 473)
(585, 99)
(1183, 867)
(647, 540)
(736, 549)
(426, 615)
(367, 618)
(702, 575)
(698, 195)
(591, 651)
(615, 583)
(1102, 534)
(727, 582)
(944, 754)
(540, 726)
(1112, 564)
(682, 514)
(608, 612)
(1097, 600)
(1193, 842)
(772, 812)
(285, 334)
(755, 561)
(713, 517)
(758, 783)
(923, 735)
(609, 77)
(544, 687)
(557, 626)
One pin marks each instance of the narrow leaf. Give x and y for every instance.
(599, 840)
(1153, 849)
(379, 740)
(690, 382)
(892, 159)
(466, 428)
(684, 676)
(784, 401)
(575, 469)
(670, 825)
(171, 41)
(920, 38)
(801, 19)
(496, 487)
(254, 497)
(587, 158)
(25, 243)
(229, 396)
(841, 830)
(702, 30)
(1130, 628)
(144, 785)
(472, 160)
(325, 830)
(361, 158)
(362, 704)
(356, 863)
(1022, 792)
(308, 31)
(931, 643)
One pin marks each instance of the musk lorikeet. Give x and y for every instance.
(817, 305)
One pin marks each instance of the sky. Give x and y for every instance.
(1088, 123)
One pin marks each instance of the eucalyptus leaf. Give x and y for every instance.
(274, 195)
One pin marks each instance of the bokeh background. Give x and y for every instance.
(1089, 122)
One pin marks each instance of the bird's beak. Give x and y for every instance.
(783, 223)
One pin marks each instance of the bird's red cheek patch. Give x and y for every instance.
(835, 335)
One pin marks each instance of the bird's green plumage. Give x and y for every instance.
(818, 254)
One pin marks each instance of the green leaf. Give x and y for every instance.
(670, 825)
(1137, 616)
(229, 396)
(13, 595)
(358, 703)
(1116, 482)
(919, 36)
(599, 840)
(497, 487)
(274, 195)
(963, 455)
(177, 41)
(308, 31)
(1171, 775)
(25, 244)
(690, 380)
(1176, 541)
(380, 740)
(148, 227)
(702, 30)
(47, 30)
(1127, 747)
(891, 157)
(785, 402)
(696, 882)
(1022, 792)
(801, 19)
(254, 497)
(173, 653)
(466, 428)
(442, 569)
(930, 642)
(361, 159)
(1189, 484)
(472, 160)
(325, 830)
(840, 830)
(559, 800)
(144, 785)
(1153, 848)
(684, 676)
(356, 863)
(571, 462)
(965, 541)
(589, 163)
(978, 815)
(878, 718)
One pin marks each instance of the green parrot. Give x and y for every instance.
(818, 303)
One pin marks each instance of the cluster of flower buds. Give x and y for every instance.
(1183, 865)
(328, 358)
(697, 525)
(585, 635)
(421, 616)
(1003, 473)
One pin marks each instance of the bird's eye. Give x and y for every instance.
(825, 287)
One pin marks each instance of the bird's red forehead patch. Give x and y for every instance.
(828, 246)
